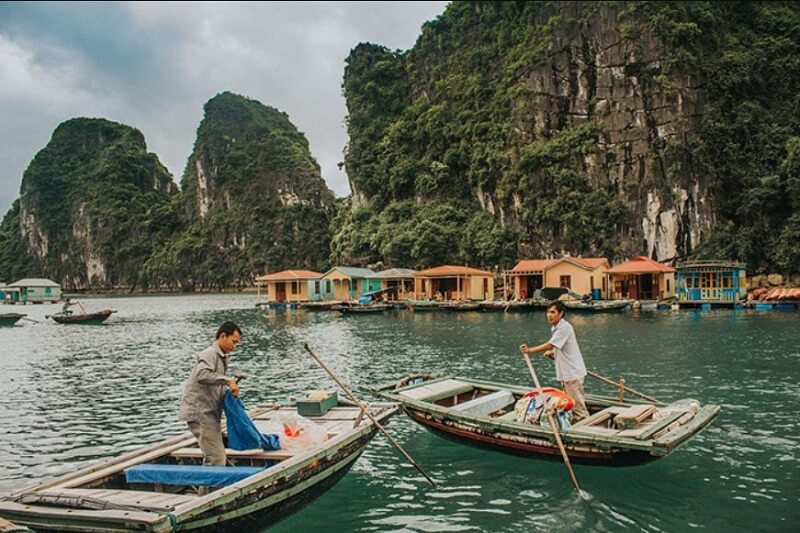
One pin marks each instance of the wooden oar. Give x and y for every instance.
(31, 320)
(365, 410)
(624, 387)
(553, 423)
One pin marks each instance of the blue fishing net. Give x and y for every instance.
(242, 433)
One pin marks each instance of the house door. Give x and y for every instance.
(280, 292)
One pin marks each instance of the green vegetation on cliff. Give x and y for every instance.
(86, 204)
(253, 200)
(498, 114)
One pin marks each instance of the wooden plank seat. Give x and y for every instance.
(436, 390)
(197, 453)
(189, 475)
(487, 404)
(112, 499)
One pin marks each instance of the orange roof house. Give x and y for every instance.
(642, 278)
(583, 275)
(291, 286)
(454, 283)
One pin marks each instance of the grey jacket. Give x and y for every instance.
(205, 390)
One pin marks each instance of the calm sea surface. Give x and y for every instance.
(72, 395)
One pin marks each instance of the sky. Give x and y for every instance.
(152, 65)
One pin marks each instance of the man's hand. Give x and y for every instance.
(234, 387)
(524, 349)
(550, 353)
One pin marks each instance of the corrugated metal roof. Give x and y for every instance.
(640, 264)
(352, 272)
(451, 270)
(290, 275)
(392, 273)
(34, 282)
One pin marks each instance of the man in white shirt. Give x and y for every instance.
(563, 346)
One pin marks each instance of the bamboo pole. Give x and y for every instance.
(365, 410)
(553, 423)
(622, 386)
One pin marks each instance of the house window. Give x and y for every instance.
(295, 288)
(565, 281)
(328, 286)
(667, 285)
(485, 286)
(316, 287)
(591, 282)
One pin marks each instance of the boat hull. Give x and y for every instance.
(529, 447)
(87, 319)
(9, 319)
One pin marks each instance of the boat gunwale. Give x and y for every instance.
(527, 430)
(185, 512)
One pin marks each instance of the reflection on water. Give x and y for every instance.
(75, 394)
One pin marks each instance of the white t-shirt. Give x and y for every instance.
(568, 358)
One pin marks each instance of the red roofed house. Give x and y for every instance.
(454, 283)
(583, 275)
(642, 278)
(291, 286)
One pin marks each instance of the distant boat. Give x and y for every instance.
(597, 306)
(85, 318)
(363, 309)
(483, 413)
(461, 306)
(9, 319)
(155, 488)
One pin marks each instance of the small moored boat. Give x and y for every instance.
(363, 309)
(482, 413)
(598, 306)
(261, 487)
(9, 319)
(85, 318)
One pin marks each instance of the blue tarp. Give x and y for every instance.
(242, 433)
(214, 476)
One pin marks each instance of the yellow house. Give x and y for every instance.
(400, 278)
(291, 286)
(582, 275)
(454, 283)
(641, 278)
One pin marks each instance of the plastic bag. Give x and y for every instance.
(297, 433)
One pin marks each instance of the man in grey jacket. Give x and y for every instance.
(202, 403)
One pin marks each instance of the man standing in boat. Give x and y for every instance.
(202, 403)
(563, 346)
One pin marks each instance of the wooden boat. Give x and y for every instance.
(85, 318)
(598, 306)
(424, 306)
(513, 306)
(272, 484)
(482, 413)
(319, 306)
(364, 309)
(9, 319)
(457, 307)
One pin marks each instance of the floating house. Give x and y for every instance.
(348, 283)
(711, 282)
(402, 279)
(642, 278)
(33, 290)
(290, 286)
(582, 275)
(454, 283)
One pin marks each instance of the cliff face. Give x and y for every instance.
(84, 204)
(605, 68)
(584, 128)
(253, 191)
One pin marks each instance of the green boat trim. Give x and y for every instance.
(602, 438)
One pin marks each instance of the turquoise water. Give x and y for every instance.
(72, 395)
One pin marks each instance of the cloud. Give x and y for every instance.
(154, 65)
